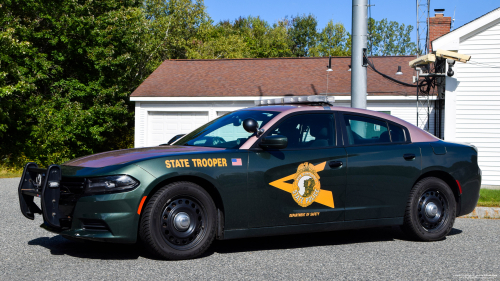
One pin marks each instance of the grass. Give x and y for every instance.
(489, 198)
(10, 173)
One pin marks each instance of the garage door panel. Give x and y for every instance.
(162, 126)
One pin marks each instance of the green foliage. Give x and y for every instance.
(249, 37)
(389, 38)
(176, 25)
(334, 40)
(67, 71)
(303, 35)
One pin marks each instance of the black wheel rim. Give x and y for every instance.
(432, 210)
(183, 223)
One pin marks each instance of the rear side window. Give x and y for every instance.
(362, 130)
(397, 133)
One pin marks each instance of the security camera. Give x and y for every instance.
(450, 64)
(452, 55)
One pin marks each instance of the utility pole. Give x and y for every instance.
(359, 53)
(423, 47)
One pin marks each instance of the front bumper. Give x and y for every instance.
(106, 217)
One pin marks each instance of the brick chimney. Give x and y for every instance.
(439, 25)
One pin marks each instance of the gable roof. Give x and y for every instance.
(271, 77)
(451, 40)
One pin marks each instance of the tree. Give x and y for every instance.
(219, 42)
(389, 38)
(67, 69)
(249, 37)
(334, 40)
(303, 34)
(177, 25)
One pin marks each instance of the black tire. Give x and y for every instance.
(430, 211)
(164, 229)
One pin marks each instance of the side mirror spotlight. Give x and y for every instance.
(252, 126)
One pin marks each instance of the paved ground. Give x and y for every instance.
(470, 252)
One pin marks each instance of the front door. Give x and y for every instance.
(304, 183)
(383, 166)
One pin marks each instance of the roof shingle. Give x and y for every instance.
(270, 77)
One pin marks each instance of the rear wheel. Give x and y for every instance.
(430, 211)
(179, 221)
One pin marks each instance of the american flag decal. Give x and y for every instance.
(236, 161)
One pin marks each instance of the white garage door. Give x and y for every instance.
(162, 126)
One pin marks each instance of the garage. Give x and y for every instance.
(163, 125)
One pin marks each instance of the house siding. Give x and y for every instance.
(474, 91)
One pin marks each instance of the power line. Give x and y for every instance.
(370, 64)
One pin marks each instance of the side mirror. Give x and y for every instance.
(250, 125)
(274, 142)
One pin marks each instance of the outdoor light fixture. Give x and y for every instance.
(329, 66)
(450, 70)
(399, 70)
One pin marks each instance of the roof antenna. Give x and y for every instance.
(329, 68)
(453, 19)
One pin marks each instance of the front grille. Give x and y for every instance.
(72, 185)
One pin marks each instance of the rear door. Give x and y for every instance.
(304, 183)
(383, 165)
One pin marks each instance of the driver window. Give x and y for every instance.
(308, 130)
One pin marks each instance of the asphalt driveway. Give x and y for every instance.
(470, 252)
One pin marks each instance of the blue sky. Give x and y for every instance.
(402, 11)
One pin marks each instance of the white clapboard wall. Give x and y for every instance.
(477, 107)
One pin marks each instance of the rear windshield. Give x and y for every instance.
(226, 131)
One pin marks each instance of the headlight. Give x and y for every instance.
(110, 184)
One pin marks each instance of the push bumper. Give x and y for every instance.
(106, 217)
(36, 182)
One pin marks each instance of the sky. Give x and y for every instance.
(402, 11)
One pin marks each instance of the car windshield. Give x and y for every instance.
(226, 131)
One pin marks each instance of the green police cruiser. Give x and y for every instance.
(290, 165)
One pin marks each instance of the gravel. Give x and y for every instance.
(470, 252)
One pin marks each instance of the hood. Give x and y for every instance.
(130, 155)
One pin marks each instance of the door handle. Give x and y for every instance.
(335, 164)
(409, 156)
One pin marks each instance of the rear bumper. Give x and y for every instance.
(470, 195)
(105, 217)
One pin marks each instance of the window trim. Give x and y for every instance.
(256, 146)
(405, 132)
(344, 130)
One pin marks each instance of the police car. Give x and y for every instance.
(291, 165)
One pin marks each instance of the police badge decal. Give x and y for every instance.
(306, 185)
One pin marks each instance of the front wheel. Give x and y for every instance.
(430, 211)
(179, 221)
